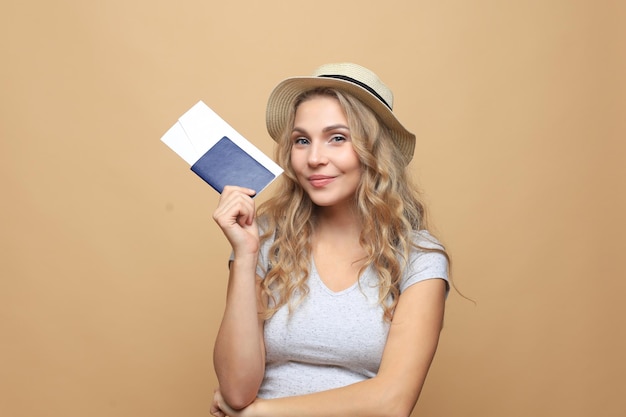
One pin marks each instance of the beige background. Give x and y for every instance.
(112, 273)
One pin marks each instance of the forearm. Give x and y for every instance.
(370, 398)
(239, 356)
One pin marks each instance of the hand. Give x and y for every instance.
(236, 216)
(219, 408)
(218, 403)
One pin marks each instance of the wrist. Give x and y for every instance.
(245, 259)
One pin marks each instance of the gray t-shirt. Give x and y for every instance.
(332, 339)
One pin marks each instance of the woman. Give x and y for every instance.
(336, 290)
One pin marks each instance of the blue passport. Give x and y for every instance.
(227, 164)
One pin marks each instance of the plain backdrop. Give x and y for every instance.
(112, 273)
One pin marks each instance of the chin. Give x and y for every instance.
(330, 202)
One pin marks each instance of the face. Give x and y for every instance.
(322, 155)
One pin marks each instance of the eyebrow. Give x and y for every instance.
(326, 129)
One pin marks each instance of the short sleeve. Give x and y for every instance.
(425, 264)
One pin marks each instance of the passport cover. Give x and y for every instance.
(227, 164)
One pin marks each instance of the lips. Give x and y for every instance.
(319, 181)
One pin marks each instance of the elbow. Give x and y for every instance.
(239, 387)
(238, 400)
(239, 393)
(398, 403)
(393, 410)
(399, 410)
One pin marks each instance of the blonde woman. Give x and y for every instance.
(336, 290)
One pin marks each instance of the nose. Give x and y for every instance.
(317, 154)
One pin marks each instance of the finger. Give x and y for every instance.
(233, 188)
(242, 210)
(233, 193)
(229, 196)
(216, 411)
(236, 207)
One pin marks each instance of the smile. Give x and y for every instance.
(319, 181)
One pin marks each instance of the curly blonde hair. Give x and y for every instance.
(387, 203)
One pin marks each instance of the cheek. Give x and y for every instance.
(293, 159)
(351, 160)
(296, 161)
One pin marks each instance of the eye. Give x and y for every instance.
(338, 138)
(300, 141)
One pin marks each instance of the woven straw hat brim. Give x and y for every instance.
(283, 97)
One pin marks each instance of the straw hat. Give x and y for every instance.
(351, 78)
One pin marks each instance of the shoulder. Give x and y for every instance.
(424, 240)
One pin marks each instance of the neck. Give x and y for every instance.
(336, 236)
(342, 222)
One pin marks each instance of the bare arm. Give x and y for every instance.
(239, 352)
(408, 353)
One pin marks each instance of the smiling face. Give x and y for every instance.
(322, 156)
